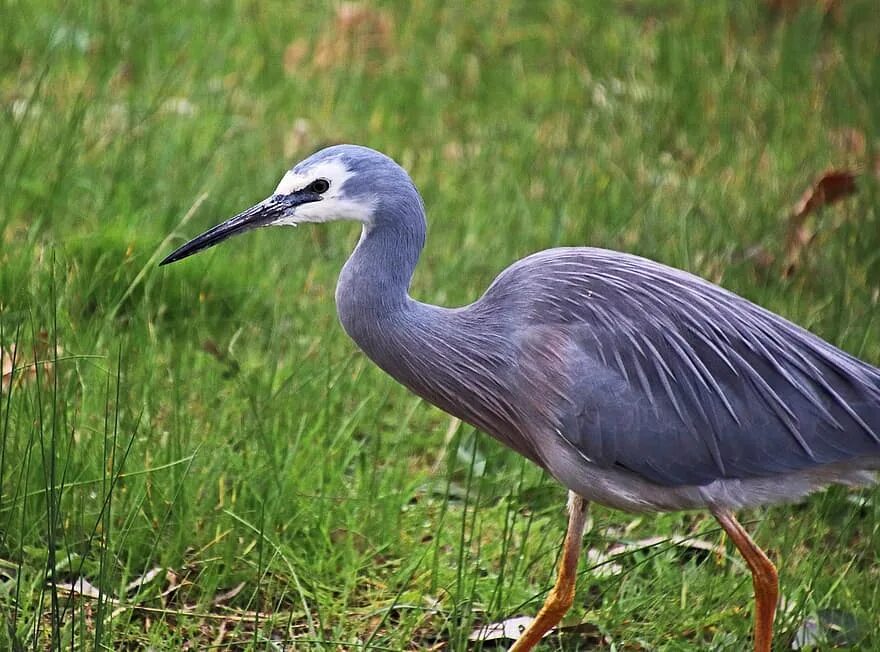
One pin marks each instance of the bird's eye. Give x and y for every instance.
(319, 186)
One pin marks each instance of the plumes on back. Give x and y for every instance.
(681, 382)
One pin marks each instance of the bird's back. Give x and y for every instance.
(652, 371)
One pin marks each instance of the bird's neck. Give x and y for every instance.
(372, 294)
(454, 358)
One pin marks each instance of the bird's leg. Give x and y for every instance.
(562, 594)
(764, 578)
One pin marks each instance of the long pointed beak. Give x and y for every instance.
(262, 214)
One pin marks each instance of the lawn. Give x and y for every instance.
(197, 456)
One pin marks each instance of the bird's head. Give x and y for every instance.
(343, 182)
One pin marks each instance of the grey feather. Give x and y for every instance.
(640, 368)
(706, 386)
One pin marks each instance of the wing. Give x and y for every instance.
(682, 382)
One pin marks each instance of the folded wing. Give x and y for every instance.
(682, 382)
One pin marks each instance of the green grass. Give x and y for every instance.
(212, 420)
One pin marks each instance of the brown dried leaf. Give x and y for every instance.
(831, 187)
(358, 31)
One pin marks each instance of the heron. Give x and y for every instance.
(635, 385)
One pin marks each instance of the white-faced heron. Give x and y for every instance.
(636, 385)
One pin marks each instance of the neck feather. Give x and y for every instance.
(374, 283)
(458, 359)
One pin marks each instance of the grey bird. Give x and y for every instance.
(635, 385)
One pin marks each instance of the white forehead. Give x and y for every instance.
(334, 170)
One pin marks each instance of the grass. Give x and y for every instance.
(211, 459)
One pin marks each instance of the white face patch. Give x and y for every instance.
(333, 170)
(333, 204)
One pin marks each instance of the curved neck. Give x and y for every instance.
(456, 358)
(374, 283)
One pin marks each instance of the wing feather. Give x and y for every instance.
(683, 382)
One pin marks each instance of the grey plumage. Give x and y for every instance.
(647, 373)
(634, 384)
(643, 369)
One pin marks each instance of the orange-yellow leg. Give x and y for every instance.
(764, 578)
(562, 594)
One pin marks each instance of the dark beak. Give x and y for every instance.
(263, 214)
